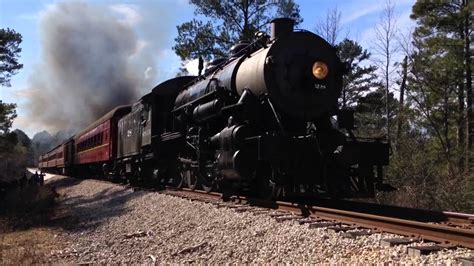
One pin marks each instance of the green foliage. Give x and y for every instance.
(12, 151)
(437, 72)
(225, 23)
(8, 140)
(360, 79)
(424, 179)
(370, 111)
(7, 115)
(9, 53)
(13, 145)
(442, 16)
(25, 142)
(434, 94)
(362, 90)
(7, 144)
(428, 166)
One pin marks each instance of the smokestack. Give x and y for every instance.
(281, 27)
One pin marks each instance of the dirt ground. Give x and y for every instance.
(29, 225)
(30, 246)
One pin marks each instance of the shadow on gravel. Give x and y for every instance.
(86, 212)
(63, 182)
(36, 207)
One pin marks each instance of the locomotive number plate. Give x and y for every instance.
(320, 86)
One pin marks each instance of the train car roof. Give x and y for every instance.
(62, 143)
(107, 116)
(169, 86)
(55, 147)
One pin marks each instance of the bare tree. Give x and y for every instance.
(401, 102)
(330, 27)
(404, 42)
(385, 46)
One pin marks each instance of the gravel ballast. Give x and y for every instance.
(106, 223)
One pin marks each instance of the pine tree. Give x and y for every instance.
(7, 115)
(8, 139)
(443, 42)
(9, 53)
(360, 78)
(370, 112)
(228, 22)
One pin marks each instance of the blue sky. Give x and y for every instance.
(358, 20)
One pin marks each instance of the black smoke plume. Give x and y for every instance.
(91, 61)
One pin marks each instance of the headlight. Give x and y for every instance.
(320, 70)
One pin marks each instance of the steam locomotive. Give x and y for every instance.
(264, 120)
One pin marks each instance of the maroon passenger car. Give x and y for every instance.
(97, 144)
(58, 159)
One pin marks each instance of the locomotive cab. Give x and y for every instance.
(145, 144)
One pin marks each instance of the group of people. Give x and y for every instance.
(36, 178)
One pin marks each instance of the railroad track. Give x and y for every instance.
(448, 229)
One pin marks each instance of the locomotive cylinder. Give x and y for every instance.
(207, 110)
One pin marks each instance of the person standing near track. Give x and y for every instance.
(41, 178)
(35, 177)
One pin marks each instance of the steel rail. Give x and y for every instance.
(440, 233)
(421, 215)
(459, 218)
(427, 231)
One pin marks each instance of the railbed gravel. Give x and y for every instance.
(107, 223)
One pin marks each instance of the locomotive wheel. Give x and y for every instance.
(191, 179)
(178, 179)
(186, 178)
(105, 172)
(138, 176)
(228, 188)
(266, 187)
(207, 182)
(207, 188)
(122, 176)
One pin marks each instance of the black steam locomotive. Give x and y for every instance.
(261, 120)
